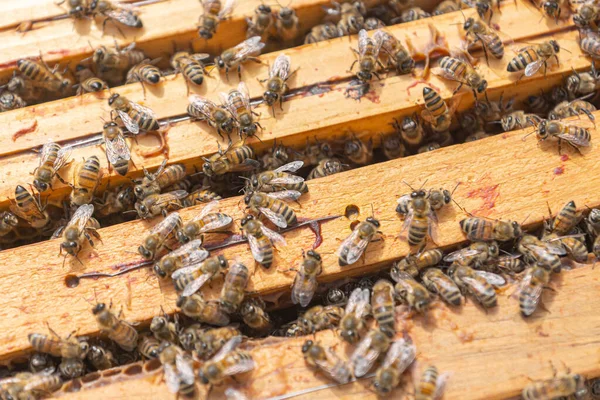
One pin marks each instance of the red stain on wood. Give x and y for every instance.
(10, 64)
(24, 131)
(370, 95)
(488, 194)
(62, 52)
(559, 170)
(564, 157)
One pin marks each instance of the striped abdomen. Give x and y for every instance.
(201, 196)
(591, 46)
(26, 202)
(93, 85)
(171, 175)
(144, 121)
(124, 335)
(33, 70)
(52, 155)
(527, 300)
(576, 248)
(87, 175)
(240, 154)
(135, 57)
(283, 209)
(382, 303)
(265, 247)
(483, 292)
(417, 231)
(477, 228)
(428, 384)
(434, 103)
(522, 59)
(454, 66)
(566, 219)
(192, 70)
(495, 46)
(45, 344)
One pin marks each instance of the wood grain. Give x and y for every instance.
(501, 177)
(488, 355)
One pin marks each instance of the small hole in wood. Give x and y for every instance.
(71, 281)
(111, 372)
(133, 369)
(94, 376)
(352, 211)
(353, 225)
(152, 365)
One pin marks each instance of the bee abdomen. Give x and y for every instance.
(194, 72)
(89, 173)
(417, 231)
(521, 60)
(266, 249)
(527, 304)
(124, 335)
(496, 47)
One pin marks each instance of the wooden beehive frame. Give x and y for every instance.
(501, 177)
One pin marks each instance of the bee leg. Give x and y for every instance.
(239, 68)
(90, 241)
(458, 88)
(352, 66)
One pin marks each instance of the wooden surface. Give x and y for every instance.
(329, 115)
(501, 177)
(489, 355)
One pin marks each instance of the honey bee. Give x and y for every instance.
(412, 293)
(190, 254)
(287, 24)
(563, 385)
(136, 118)
(117, 151)
(26, 206)
(234, 285)
(319, 317)
(573, 108)
(270, 205)
(532, 58)
(238, 103)
(326, 361)
(279, 179)
(276, 84)
(86, 177)
(71, 349)
(101, 358)
(353, 324)
(368, 54)
(368, 351)
(234, 57)
(447, 6)
(359, 152)
(413, 265)
(163, 178)
(431, 385)
(25, 385)
(159, 236)
(234, 159)
(586, 16)
(476, 285)
(519, 120)
(305, 283)
(214, 13)
(210, 341)
(208, 312)
(411, 130)
(543, 254)
(481, 229)
(397, 55)
(477, 253)
(115, 201)
(438, 282)
(392, 146)
(116, 12)
(262, 22)
(413, 14)
(79, 227)
(582, 83)
(399, 357)
(436, 111)
(188, 280)
(52, 159)
(462, 72)
(566, 219)
(261, 240)
(144, 72)
(107, 60)
(164, 330)
(326, 167)
(206, 221)
(353, 247)
(178, 369)
(593, 224)
(254, 315)
(576, 136)
(322, 33)
(227, 362)
(191, 67)
(42, 76)
(120, 331)
(157, 204)
(421, 219)
(201, 196)
(10, 101)
(351, 16)
(382, 305)
(149, 346)
(531, 287)
(314, 153)
(479, 31)
(39, 362)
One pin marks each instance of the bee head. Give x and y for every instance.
(84, 348)
(373, 221)
(142, 210)
(555, 45)
(248, 198)
(542, 130)
(468, 24)
(314, 254)
(159, 271)
(155, 78)
(71, 247)
(306, 346)
(223, 262)
(220, 63)
(516, 227)
(202, 377)
(270, 97)
(247, 219)
(180, 301)
(407, 65)
(10, 219)
(263, 9)
(98, 308)
(113, 97)
(364, 76)
(482, 86)
(286, 13)
(157, 324)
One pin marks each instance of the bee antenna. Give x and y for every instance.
(408, 184)
(372, 211)
(455, 187)
(526, 218)
(525, 137)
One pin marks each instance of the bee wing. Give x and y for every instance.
(275, 237)
(62, 157)
(285, 195)
(249, 47)
(255, 249)
(275, 218)
(166, 198)
(303, 283)
(142, 109)
(117, 149)
(170, 221)
(556, 250)
(444, 73)
(227, 347)
(576, 140)
(171, 378)
(360, 300)
(206, 210)
(130, 124)
(555, 246)
(354, 250)
(45, 151)
(331, 366)
(402, 350)
(241, 366)
(196, 256)
(461, 254)
(226, 9)
(363, 357)
(243, 89)
(353, 300)
(287, 179)
(221, 222)
(491, 278)
(474, 283)
(189, 247)
(281, 67)
(363, 41)
(185, 369)
(407, 220)
(290, 167)
(432, 220)
(385, 38)
(126, 17)
(82, 216)
(533, 67)
(247, 165)
(225, 100)
(203, 105)
(440, 385)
